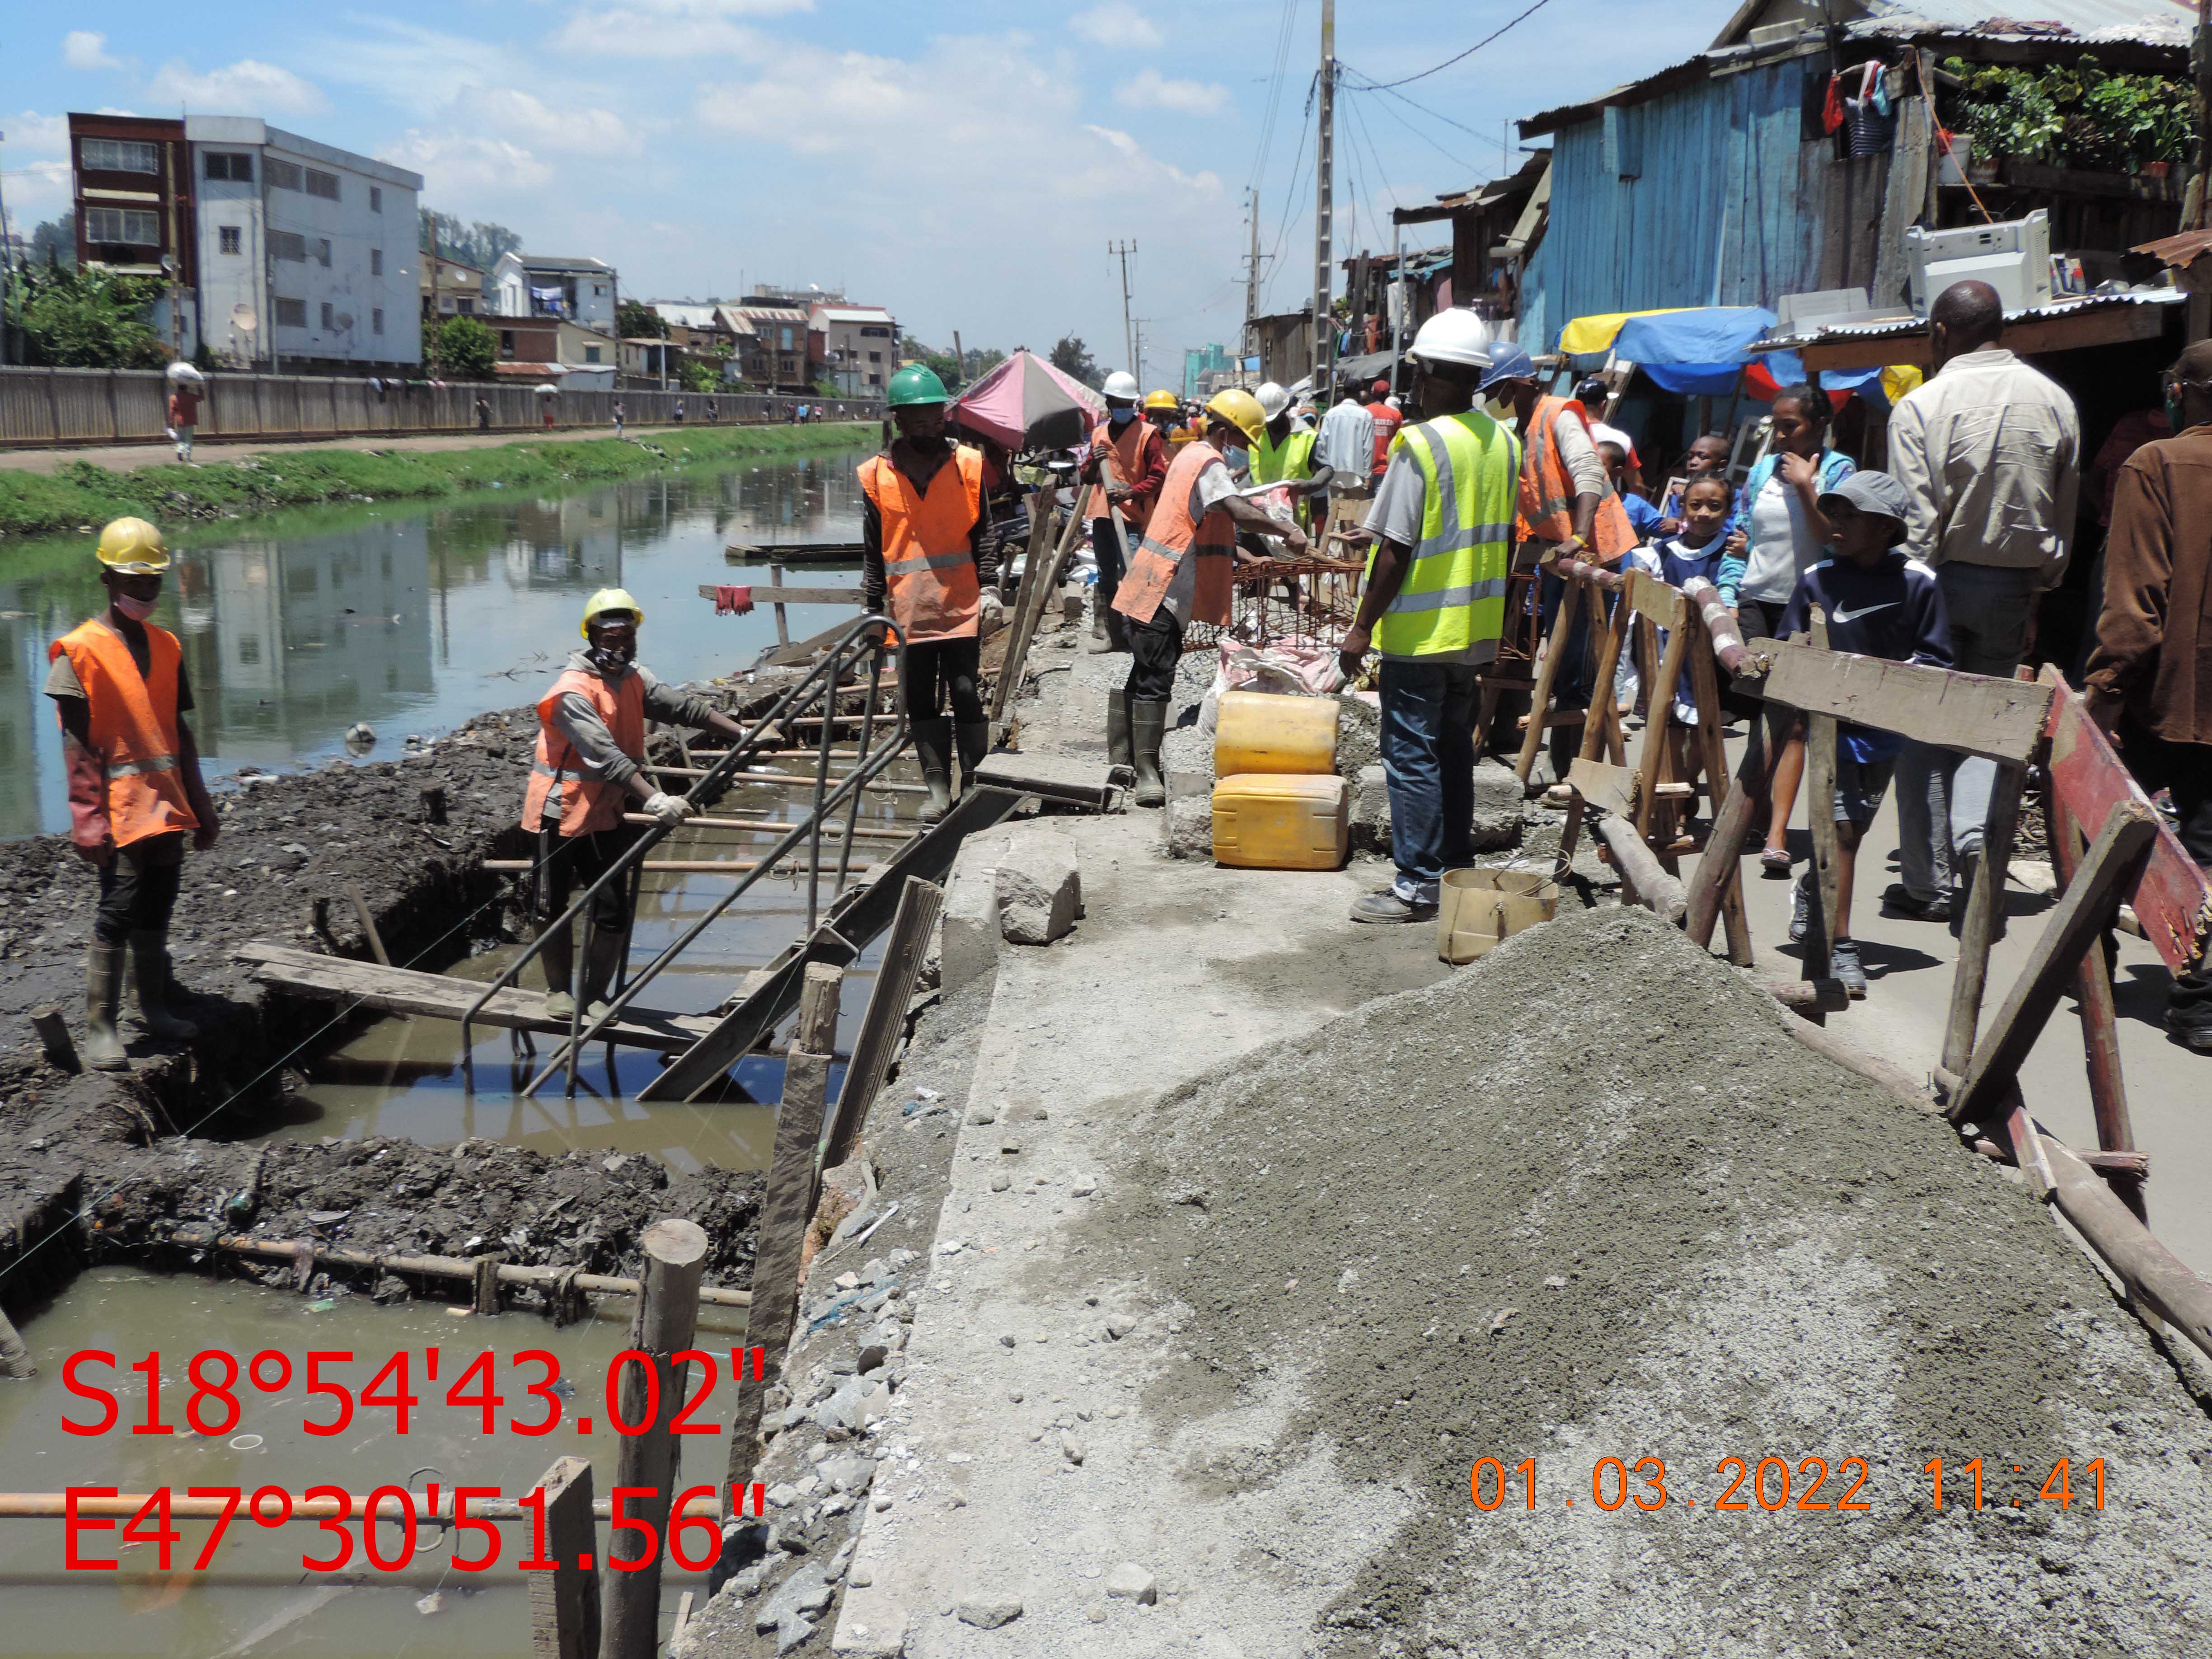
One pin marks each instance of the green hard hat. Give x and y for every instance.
(916, 383)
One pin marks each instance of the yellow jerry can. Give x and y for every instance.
(1282, 821)
(1269, 732)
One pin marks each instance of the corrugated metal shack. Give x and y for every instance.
(1713, 182)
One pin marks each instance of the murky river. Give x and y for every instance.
(412, 620)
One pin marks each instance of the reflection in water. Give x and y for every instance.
(412, 619)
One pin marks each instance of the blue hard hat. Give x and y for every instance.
(1508, 363)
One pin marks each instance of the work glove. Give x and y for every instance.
(669, 808)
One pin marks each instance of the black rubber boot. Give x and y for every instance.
(103, 989)
(974, 738)
(558, 959)
(1148, 721)
(1118, 752)
(933, 747)
(149, 955)
(602, 954)
(1101, 611)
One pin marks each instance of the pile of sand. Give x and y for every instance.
(1588, 1200)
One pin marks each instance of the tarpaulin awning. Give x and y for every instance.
(1585, 335)
(1775, 369)
(1026, 403)
(1693, 353)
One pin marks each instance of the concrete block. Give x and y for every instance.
(1187, 821)
(1071, 602)
(1370, 811)
(1039, 886)
(1498, 805)
(969, 927)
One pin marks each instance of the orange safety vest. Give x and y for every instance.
(929, 560)
(588, 804)
(133, 726)
(1547, 492)
(1169, 535)
(1124, 455)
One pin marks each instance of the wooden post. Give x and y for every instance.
(54, 1037)
(1596, 731)
(2113, 865)
(788, 1207)
(1977, 931)
(1540, 699)
(1659, 706)
(666, 1316)
(1820, 814)
(1729, 828)
(1639, 866)
(1704, 692)
(782, 623)
(919, 902)
(2100, 1037)
(367, 922)
(487, 1285)
(564, 1599)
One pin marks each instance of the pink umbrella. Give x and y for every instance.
(1027, 403)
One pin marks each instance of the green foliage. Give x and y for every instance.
(2074, 116)
(1072, 358)
(54, 243)
(637, 320)
(463, 349)
(89, 318)
(699, 374)
(943, 365)
(478, 243)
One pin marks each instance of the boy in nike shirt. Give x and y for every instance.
(1878, 604)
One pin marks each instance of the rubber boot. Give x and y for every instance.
(933, 747)
(103, 989)
(557, 956)
(150, 955)
(974, 738)
(1148, 720)
(1118, 752)
(602, 954)
(1101, 609)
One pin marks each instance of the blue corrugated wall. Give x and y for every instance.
(1712, 216)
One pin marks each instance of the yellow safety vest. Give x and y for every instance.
(1454, 594)
(1286, 462)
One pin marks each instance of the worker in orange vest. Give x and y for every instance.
(929, 560)
(135, 791)
(1180, 574)
(588, 771)
(1125, 469)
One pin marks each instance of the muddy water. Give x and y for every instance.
(411, 617)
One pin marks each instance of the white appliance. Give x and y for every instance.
(2013, 257)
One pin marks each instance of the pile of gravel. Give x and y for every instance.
(1588, 1200)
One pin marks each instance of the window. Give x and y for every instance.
(375, 199)
(591, 354)
(291, 314)
(466, 307)
(283, 175)
(227, 238)
(875, 356)
(119, 155)
(329, 328)
(120, 225)
(785, 342)
(222, 165)
(376, 321)
(323, 251)
(875, 333)
(875, 380)
(376, 262)
(324, 185)
(287, 245)
(599, 291)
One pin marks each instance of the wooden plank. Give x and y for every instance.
(795, 595)
(405, 991)
(1594, 732)
(778, 827)
(1659, 715)
(920, 905)
(758, 1012)
(564, 1601)
(2001, 719)
(2173, 901)
(2101, 1037)
(795, 552)
(1977, 928)
(805, 651)
(1639, 866)
(1601, 783)
(1820, 819)
(1655, 599)
(1725, 840)
(2113, 864)
(2155, 1276)
(1563, 625)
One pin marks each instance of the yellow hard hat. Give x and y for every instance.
(608, 599)
(131, 547)
(1162, 399)
(1241, 410)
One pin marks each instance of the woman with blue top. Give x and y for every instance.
(1780, 532)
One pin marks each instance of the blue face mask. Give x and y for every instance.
(1120, 418)
(1238, 459)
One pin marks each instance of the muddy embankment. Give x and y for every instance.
(98, 1166)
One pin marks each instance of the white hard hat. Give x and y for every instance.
(1122, 385)
(1273, 400)
(1456, 336)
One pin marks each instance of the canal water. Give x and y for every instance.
(412, 620)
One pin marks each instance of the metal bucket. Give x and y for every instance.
(1478, 908)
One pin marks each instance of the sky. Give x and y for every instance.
(965, 165)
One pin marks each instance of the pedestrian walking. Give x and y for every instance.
(1346, 445)
(1989, 450)
(1125, 466)
(679, 411)
(484, 414)
(184, 416)
(618, 418)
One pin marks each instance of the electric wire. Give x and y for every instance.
(1407, 81)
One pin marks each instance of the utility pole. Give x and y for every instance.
(1137, 352)
(1129, 329)
(1324, 336)
(6, 263)
(1248, 346)
(175, 261)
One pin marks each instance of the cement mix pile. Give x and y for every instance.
(1586, 1199)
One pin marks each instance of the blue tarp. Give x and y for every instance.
(1694, 353)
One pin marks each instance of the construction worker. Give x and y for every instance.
(930, 562)
(1180, 574)
(1383, 410)
(1284, 453)
(1125, 469)
(591, 745)
(1435, 607)
(1164, 410)
(135, 790)
(1566, 507)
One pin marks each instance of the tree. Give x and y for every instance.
(479, 243)
(1072, 358)
(699, 374)
(979, 361)
(462, 348)
(54, 243)
(942, 364)
(637, 320)
(85, 318)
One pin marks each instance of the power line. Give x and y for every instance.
(1367, 85)
(1469, 166)
(1274, 93)
(1470, 51)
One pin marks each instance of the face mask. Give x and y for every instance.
(612, 658)
(137, 610)
(1238, 459)
(1120, 417)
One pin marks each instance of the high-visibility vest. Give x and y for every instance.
(1454, 594)
(1290, 460)
(929, 563)
(1548, 491)
(1170, 537)
(133, 728)
(588, 804)
(1125, 454)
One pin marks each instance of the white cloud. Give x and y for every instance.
(1149, 90)
(421, 70)
(567, 130)
(673, 29)
(39, 134)
(248, 87)
(457, 166)
(81, 49)
(1117, 24)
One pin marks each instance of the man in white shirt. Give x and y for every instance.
(1347, 444)
(1989, 450)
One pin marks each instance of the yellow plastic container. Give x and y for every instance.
(1282, 821)
(1269, 732)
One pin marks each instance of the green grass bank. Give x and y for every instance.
(81, 494)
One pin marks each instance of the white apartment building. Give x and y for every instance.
(582, 291)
